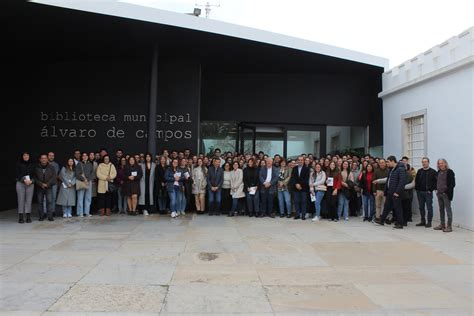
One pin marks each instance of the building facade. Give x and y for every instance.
(86, 75)
(428, 111)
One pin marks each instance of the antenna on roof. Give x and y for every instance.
(207, 7)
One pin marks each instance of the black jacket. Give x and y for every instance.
(250, 177)
(301, 179)
(45, 175)
(451, 182)
(24, 169)
(426, 180)
(396, 180)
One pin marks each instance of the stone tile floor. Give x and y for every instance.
(225, 266)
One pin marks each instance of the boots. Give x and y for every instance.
(28, 218)
(440, 227)
(422, 223)
(428, 225)
(101, 212)
(107, 212)
(21, 220)
(448, 229)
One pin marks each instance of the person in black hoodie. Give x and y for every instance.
(251, 183)
(445, 192)
(24, 187)
(394, 189)
(45, 178)
(425, 184)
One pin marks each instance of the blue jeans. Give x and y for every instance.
(45, 204)
(214, 201)
(67, 210)
(300, 198)
(266, 197)
(284, 198)
(84, 198)
(343, 206)
(317, 203)
(54, 193)
(235, 205)
(369, 205)
(252, 202)
(425, 198)
(181, 201)
(174, 199)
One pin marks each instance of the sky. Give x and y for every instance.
(394, 29)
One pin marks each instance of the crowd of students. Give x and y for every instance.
(256, 185)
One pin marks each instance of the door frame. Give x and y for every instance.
(286, 127)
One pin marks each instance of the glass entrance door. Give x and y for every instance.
(247, 139)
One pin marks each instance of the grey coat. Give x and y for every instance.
(85, 169)
(141, 199)
(67, 196)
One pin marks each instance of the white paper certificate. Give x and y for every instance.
(252, 190)
(134, 173)
(179, 175)
(330, 181)
(313, 197)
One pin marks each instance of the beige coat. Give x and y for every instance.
(237, 183)
(102, 174)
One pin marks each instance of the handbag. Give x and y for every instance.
(82, 185)
(111, 187)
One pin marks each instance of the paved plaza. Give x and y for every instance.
(195, 265)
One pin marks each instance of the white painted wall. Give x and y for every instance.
(448, 100)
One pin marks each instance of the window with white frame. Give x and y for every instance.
(415, 137)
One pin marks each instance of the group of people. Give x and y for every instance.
(256, 185)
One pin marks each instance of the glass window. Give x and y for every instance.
(299, 142)
(346, 139)
(415, 139)
(221, 135)
(269, 140)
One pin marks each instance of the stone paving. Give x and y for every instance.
(225, 266)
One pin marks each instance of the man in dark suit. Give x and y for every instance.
(394, 189)
(215, 178)
(300, 182)
(268, 179)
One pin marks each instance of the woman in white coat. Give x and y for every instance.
(236, 187)
(199, 175)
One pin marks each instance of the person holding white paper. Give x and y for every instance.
(236, 187)
(250, 175)
(24, 187)
(174, 185)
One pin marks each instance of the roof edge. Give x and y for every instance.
(153, 15)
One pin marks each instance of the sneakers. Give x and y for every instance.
(65, 216)
(346, 219)
(89, 215)
(315, 219)
(145, 212)
(69, 215)
(183, 213)
(173, 214)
